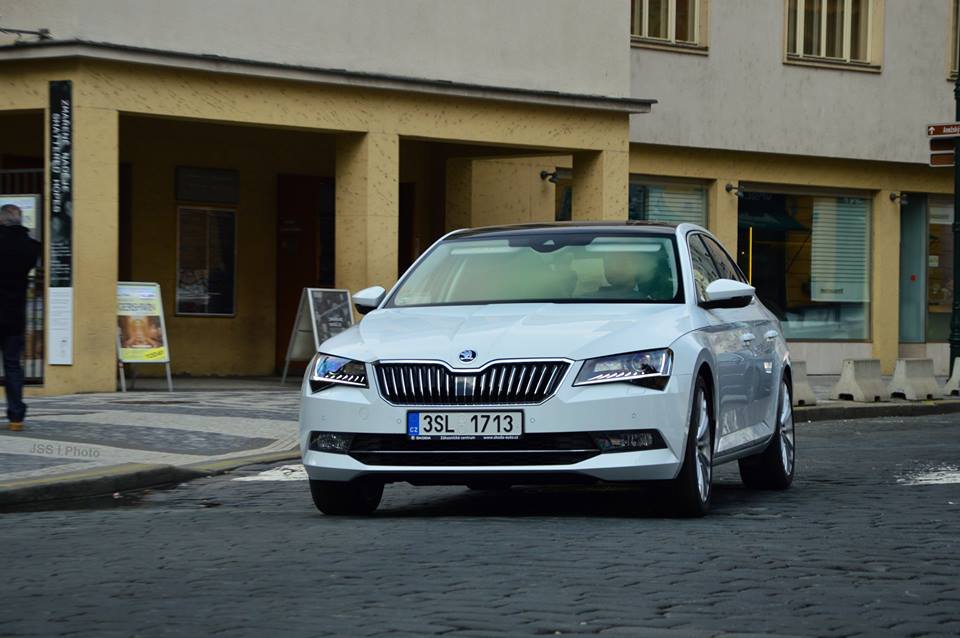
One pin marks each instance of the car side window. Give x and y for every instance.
(704, 270)
(725, 265)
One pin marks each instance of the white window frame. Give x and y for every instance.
(642, 12)
(821, 55)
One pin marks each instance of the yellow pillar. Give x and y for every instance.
(885, 289)
(367, 210)
(95, 246)
(722, 210)
(600, 181)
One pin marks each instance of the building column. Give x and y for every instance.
(95, 254)
(458, 194)
(884, 283)
(600, 183)
(722, 212)
(367, 210)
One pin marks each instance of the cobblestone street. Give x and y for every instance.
(864, 544)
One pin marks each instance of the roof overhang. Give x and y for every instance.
(81, 49)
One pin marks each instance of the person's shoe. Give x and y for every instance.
(16, 426)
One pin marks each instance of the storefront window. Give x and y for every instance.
(809, 258)
(671, 202)
(668, 202)
(206, 259)
(939, 267)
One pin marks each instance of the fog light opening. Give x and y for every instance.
(338, 442)
(627, 440)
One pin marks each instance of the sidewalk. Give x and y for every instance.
(89, 444)
(98, 444)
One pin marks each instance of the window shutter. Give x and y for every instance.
(669, 203)
(839, 251)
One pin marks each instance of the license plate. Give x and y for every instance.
(464, 425)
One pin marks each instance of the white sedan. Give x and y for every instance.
(567, 353)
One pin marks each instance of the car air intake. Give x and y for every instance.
(507, 383)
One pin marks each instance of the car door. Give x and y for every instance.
(759, 323)
(732, 345)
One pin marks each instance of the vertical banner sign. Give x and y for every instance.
(60, 292)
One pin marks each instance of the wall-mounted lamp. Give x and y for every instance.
(736, 190)
(40, 34)
(904, 200)
(547, 176)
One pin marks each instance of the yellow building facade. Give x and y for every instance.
(392, 162)
(268, 161)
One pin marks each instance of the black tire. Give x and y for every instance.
(338, 498)
(689, 498)
(774, 468)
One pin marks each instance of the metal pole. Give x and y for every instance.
(955, 318)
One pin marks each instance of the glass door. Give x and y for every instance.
(913, 269)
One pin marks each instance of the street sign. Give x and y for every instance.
(942, 152)
(950, 129)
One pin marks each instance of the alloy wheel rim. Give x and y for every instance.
(787, 442)
(704, 448)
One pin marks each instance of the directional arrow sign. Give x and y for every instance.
(950, 129)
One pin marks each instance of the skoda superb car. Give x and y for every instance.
(553, 353)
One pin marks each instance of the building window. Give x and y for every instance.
(829, 30)
(671, 22)
(206, 261)
(649, 200)
(808, 256)
(940, 284)
(673, 202)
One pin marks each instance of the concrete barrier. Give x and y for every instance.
(802, 392)
(953, 385)
(913, 380)
(860, 381)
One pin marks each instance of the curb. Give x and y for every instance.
(134, 476)
(125, 477)
(847, 410)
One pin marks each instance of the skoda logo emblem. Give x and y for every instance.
(467, 356)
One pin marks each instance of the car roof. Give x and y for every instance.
(628, 226)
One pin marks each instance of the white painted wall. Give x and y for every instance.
(743, 97)
(575, 46)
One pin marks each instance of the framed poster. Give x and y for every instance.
(29, 206)
(206, 261)
(331, 313)
(143, 334)
(322, 313)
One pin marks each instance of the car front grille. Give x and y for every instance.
(506, 383)
(531, 449)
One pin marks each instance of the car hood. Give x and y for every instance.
(510, 331)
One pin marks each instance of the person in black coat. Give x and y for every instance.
(18, 255)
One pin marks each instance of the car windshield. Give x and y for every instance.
(545, 267)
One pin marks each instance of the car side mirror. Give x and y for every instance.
(368, 299)
(728, 293)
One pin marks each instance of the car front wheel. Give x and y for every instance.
(773, 469)
(340, 498)
(693, 487)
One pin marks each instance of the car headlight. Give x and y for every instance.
(327, 370)
(649, 368)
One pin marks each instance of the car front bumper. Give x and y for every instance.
(596, 408)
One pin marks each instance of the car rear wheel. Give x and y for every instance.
(773, 469)
(340, 498)
(693, 487)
